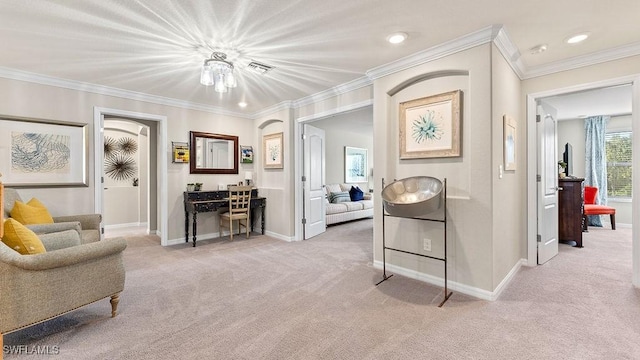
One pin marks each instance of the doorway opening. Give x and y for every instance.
(351, 126)
(532, 153)
(127, 178)
(158, 157)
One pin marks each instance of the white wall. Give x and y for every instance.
(354, 129)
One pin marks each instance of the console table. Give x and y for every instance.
(208, 201)
(570, 210)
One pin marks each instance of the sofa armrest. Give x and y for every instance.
(63, 257)
(55, 227)
(60, 240)
(87, 221)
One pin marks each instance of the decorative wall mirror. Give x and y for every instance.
(213, 153)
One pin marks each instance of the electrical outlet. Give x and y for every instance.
(427, 244)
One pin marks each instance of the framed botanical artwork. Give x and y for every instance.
(273, 149)
(430, 126)
(355, 165)
(246, 154)
(42, 153)
(509, 135)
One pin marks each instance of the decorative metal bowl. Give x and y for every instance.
(413, 197)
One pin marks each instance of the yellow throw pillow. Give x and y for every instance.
(33, 212)
(21, 239)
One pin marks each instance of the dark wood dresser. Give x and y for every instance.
(570, 210)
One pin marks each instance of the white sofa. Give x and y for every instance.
(346, 210)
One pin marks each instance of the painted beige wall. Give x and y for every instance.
(21, 98)
(277, 184)
(469, 176)
(509, 196)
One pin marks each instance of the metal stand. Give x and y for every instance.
(447, 294)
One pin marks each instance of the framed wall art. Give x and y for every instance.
(42, 153)
(246, 154)
(355, 165)
(273, 149)
(179, 152)
(510, 127)
(430, 126)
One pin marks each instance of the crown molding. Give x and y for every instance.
(595, 58)
(285, 105)
(510, 52)
(20, 75)
(333, 112)
(474, 39)
(334, 91)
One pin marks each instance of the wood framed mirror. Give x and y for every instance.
(213, 153)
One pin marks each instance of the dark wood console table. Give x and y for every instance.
(208, 201)
(570, 210)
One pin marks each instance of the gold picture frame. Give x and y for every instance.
(273, 150)
(510, 138)
(430, 126)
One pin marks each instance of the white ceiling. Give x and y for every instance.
(615, 100)
(157, 46)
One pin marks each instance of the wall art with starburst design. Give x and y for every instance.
(120, 166)
(430, 126)
(119, 163)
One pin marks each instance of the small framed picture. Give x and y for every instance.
(355, 165)
(510, 127)
(246, 154)
(273, 151)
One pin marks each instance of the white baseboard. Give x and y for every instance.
(452, 285)
(279, 236)
(120, 226)
(224, 233)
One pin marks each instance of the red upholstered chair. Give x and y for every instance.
(591, 208)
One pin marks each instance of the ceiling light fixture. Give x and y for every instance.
(577, 38)
(397, 38)
(217, 71)
(242, 104)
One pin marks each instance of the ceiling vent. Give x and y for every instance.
(259, 68)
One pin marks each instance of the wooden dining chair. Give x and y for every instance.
(239, 209)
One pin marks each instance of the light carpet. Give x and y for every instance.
(262, 298)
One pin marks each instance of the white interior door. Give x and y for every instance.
(548, 184)
(314, 172)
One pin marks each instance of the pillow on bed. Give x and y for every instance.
(338, 197)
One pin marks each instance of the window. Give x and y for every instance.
(618, 150)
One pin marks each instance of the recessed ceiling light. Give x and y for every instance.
(538, 49)
(577, 38)
(397, 38)
(242, 104)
